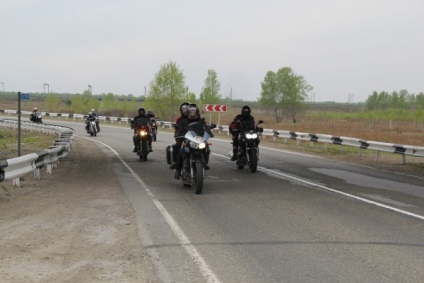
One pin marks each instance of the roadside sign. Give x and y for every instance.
(24, 96)
(215, 108)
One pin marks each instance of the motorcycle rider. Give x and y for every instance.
(243, 121)
(33, 117)
(193, 115)
(180, 128)
(143, 121)
(97, 119)
(152, 118)
(90, 118)
(151, 114)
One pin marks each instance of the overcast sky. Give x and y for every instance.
(343, 48)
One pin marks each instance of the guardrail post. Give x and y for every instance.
(377, 157)
(16, 182)
(403, 159)
(37, 174)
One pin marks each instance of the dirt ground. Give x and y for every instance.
(71, 229)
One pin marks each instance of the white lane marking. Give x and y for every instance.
(208, 274)
(279, 174)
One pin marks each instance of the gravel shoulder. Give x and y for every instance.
(72, 228)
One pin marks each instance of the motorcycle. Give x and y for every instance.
(143, 149)
(154, 126)
(36, 118)
(248, 150)
(92, 129)
(194, 147)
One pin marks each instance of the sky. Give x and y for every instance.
(344, 49)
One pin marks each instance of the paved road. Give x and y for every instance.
(299, 219)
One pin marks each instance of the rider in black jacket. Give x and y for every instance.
(242, 121)
(141, 120)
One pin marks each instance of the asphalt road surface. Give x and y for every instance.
(106, 216)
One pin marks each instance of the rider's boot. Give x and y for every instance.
(177, 174)
(234, 157)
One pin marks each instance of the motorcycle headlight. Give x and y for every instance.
(143, 133)
(197, 145)
(251, 136)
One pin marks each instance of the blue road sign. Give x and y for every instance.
(24, 96)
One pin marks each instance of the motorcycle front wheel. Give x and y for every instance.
(253, 160)
(144, 151)
(197, 181)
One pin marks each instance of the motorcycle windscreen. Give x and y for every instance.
(196, 129)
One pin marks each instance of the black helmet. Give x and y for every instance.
(150, 112)
(245, 111)
(141, 111)
(193, 111)
(184, 108)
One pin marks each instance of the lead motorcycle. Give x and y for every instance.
(194, 147)
(248, 150)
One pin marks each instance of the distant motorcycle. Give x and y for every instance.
(143, 149)
(92, 129)
(248, 150)
(36, 118)
(193, 148)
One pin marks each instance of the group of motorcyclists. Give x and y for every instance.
(189, 112)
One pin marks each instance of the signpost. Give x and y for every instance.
(24, 96)
(215, 108)
(21, 96)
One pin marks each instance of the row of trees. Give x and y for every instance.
(395, 100)
(283, 92)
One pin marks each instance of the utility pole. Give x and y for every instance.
(350, 98)
(44, 88)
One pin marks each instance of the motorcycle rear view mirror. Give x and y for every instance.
(212, 126)
(260, 122)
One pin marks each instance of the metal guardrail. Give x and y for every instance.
(14, 168)
(403, 150)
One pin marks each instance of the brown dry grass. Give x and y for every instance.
(397, 132)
